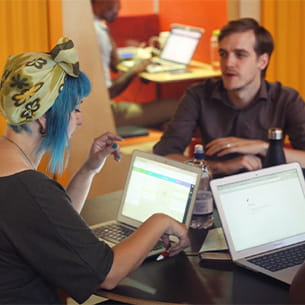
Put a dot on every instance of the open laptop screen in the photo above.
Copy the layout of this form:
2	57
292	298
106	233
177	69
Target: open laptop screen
263	209
158	187
181	44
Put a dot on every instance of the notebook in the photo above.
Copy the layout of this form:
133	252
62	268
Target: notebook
178	50
130	131
263	217
154	184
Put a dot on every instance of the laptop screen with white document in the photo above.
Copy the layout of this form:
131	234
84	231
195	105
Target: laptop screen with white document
181	44
156	184
262	210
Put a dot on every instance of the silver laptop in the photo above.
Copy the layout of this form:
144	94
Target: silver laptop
263	217
154	184
178	50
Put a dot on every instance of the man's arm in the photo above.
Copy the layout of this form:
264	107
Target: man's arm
295	155
120	83
248	149
114	56
228	145
180	130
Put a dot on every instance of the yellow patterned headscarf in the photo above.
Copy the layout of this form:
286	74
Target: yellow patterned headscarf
31	82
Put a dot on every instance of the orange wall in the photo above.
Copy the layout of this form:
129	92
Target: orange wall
287	63
25	26
208	14
137	7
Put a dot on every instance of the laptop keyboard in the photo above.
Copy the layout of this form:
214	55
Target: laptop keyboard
159	65
282	259
116	232
113	232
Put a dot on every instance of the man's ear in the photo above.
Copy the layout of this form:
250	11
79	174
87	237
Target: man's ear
263	61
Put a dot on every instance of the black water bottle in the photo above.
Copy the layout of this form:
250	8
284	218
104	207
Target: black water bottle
275	153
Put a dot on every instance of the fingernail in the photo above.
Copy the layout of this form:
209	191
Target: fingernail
115	145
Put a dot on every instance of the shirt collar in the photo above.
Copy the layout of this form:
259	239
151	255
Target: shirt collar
220	93
101	23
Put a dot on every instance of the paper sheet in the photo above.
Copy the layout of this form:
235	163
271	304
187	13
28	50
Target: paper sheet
214	241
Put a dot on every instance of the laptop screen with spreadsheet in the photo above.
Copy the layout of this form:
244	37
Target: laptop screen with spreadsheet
157	184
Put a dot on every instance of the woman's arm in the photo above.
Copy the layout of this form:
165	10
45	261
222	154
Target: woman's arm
80	183
131	252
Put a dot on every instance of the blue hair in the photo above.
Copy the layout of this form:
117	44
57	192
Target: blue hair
58	116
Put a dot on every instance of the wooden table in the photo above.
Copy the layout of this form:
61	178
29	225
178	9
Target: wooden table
196	70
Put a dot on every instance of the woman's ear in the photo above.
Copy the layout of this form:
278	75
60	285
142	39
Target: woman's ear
42	122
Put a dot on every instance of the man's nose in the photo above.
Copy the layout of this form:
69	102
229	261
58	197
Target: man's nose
229	60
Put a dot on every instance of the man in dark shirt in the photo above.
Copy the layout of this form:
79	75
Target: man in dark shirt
234	114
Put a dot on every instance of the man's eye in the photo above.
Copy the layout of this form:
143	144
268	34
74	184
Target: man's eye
241	54
77	110
222	54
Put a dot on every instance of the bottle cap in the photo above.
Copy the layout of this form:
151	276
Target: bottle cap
198	152
275	134
198	148
216	33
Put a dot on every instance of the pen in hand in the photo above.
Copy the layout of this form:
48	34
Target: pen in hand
162	256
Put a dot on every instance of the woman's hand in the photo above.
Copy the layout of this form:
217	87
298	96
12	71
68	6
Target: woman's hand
131	252
101	148
178	230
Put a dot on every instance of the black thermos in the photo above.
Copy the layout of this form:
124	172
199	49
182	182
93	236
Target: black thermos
275	153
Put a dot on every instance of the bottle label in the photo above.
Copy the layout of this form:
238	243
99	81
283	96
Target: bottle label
203	203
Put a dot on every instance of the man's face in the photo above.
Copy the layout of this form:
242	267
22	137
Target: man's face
241	67
107	9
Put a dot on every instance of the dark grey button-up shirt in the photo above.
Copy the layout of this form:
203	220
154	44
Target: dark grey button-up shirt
206	106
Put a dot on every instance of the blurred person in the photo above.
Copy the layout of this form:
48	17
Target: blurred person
149	114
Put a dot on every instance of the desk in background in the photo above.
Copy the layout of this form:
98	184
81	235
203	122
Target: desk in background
183	279
196	71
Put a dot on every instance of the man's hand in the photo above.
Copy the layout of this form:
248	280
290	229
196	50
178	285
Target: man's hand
140	65
229	145
228	167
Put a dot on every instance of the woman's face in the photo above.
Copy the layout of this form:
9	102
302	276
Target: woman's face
75	120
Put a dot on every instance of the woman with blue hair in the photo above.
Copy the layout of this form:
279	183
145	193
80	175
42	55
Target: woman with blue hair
44	244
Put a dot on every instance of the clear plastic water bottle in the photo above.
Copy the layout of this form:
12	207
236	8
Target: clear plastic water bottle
275	153
214	53
203	208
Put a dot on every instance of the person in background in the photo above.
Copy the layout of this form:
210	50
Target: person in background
149	114
44	243
235	112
